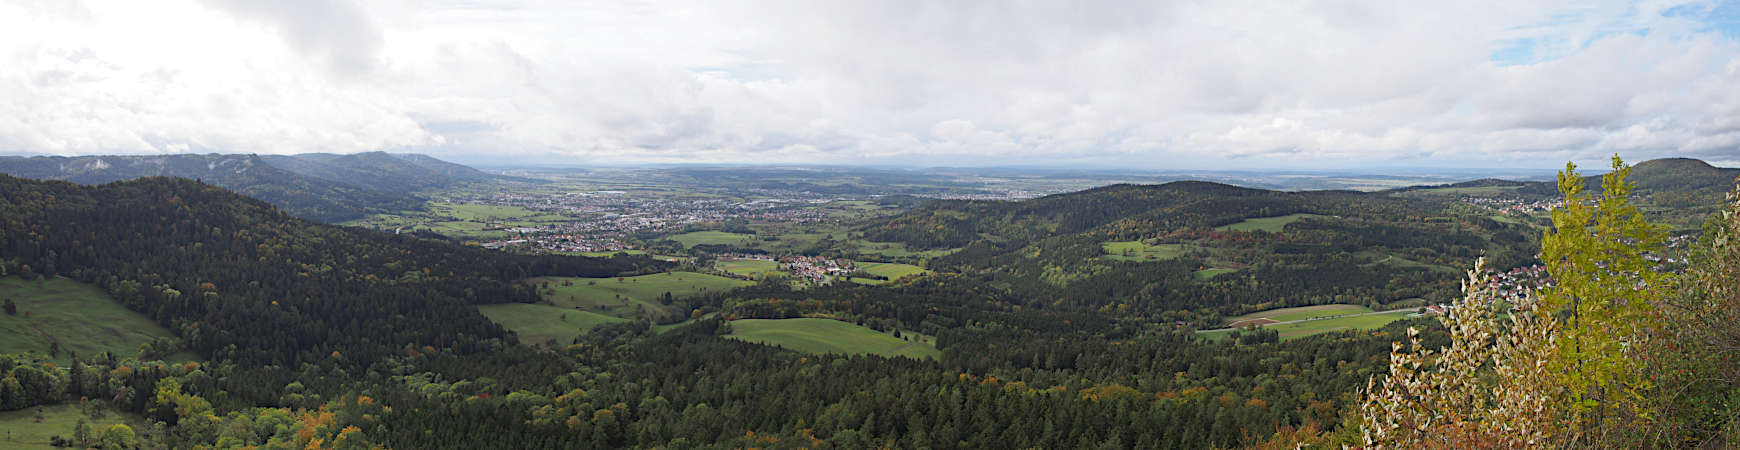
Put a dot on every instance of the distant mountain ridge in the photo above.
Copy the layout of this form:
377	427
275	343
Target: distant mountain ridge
318	186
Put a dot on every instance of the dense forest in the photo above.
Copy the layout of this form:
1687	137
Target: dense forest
314	186
313	336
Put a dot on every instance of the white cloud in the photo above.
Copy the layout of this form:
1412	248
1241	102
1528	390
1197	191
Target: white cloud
1161	84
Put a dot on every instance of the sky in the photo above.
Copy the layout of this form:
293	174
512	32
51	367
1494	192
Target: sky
1223	84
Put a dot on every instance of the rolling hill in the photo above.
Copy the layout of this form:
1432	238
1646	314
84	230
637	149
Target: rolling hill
1272	249
316	186
381	171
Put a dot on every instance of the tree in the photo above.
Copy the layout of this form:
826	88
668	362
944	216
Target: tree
81	432
1606	291
118	436
1568	368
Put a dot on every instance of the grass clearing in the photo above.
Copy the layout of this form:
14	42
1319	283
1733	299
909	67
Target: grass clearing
537	324
748	267
24	432
1269	224
476	212
630	297
1300	313
1205	274
816	335
893	271
695	238
899	250
1138	251
1328	325
79	316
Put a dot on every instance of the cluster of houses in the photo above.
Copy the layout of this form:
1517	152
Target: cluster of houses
816	269
1510	285
1511	205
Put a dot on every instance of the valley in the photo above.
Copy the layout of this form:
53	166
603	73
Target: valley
520	289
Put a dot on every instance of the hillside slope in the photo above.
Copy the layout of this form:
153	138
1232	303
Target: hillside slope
381	171
241	281
305	196
1196	245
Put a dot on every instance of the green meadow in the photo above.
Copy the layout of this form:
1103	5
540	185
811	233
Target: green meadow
695	238
24	432
748	267
80	317
1324	325
1138	251
537	324
1269	224
893	271
630	297
818	336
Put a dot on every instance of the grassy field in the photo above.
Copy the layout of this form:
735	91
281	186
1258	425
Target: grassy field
58	420
480	213
537	324
1300	313
1326	325
1269	224
632	296
748	267
1205	274
1138	251
692	239
898	250
814	335
80	317
893	271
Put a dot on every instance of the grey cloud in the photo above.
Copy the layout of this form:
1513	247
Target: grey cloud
336	32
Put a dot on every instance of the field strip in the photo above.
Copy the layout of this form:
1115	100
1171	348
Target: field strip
1217	330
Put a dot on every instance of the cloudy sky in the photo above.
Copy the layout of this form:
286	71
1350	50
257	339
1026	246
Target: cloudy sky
1141	84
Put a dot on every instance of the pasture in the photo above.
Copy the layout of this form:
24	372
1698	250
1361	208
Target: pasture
695	238
24	432
537	324
1299	313
819	336
1139	251
630	297
78	316
1269	224
1323	324
893	271
1206	274
748	267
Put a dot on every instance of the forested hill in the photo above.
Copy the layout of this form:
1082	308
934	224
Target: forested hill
1206	246
389	172
241	281
316	186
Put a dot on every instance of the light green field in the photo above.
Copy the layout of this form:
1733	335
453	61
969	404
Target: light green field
815	335
1138	251
610	254
748	267
899	250
1269	224
692	239
1205	274
1476	190
478	213
537	324
1328	325
631	296
1302	312
58	420
893	271
79	316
